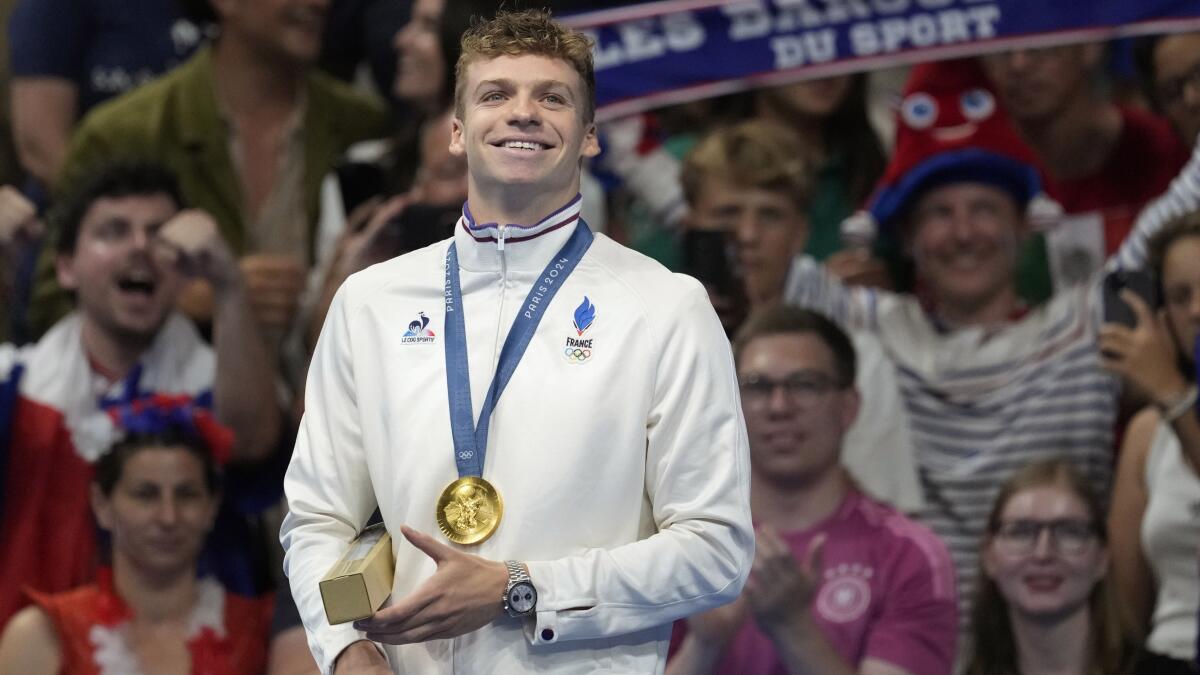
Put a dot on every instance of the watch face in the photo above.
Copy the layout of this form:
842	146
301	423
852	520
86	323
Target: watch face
522	597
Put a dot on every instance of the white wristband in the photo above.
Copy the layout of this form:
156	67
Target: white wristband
1175	408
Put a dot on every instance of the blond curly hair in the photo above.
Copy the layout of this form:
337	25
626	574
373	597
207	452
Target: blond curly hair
532	32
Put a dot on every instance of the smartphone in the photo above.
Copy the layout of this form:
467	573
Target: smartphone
1142	282
420	225
359	182
707	256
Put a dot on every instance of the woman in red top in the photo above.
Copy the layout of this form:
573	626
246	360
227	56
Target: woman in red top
156	492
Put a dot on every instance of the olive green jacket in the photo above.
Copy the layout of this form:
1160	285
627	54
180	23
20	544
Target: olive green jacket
175	120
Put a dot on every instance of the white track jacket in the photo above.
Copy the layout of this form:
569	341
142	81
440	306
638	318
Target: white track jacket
623	464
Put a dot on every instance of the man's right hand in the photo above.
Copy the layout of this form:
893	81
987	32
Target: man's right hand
273	287
361	658
192	241
857	268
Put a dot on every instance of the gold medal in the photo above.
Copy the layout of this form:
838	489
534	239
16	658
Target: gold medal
468	510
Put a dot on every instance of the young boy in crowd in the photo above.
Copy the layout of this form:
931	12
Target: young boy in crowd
749	186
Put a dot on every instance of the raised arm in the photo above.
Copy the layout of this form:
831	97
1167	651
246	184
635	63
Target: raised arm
1183	196
811	285
244	391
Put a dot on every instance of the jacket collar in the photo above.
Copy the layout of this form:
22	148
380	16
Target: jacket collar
524	247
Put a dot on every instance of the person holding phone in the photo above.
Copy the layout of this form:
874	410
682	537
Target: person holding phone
748	189
1153	525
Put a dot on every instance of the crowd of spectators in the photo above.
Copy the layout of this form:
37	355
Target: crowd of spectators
966	339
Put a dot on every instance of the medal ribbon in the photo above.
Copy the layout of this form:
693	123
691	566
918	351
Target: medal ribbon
470	441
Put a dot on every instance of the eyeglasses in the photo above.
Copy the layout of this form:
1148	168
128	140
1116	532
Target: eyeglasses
801	388
1070	536
1170	92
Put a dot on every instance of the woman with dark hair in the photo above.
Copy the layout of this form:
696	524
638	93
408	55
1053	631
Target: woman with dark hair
427	50
1045	603
156	493
1153	525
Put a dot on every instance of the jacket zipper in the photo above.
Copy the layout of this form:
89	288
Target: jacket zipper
500	236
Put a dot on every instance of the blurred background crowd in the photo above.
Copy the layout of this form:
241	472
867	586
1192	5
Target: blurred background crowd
963	296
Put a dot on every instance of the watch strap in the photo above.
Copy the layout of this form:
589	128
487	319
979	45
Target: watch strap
516	575
516	572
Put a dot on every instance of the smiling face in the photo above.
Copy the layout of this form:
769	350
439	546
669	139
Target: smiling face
522	130
963	238
1181	292
420	68
124	286
159	511
1051	580
795	429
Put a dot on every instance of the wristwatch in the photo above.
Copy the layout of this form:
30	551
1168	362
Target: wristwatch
520	597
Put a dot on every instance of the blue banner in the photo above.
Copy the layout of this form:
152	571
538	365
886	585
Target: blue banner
660	53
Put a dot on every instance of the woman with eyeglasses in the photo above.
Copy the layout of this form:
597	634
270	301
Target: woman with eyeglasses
1155	524
1045	604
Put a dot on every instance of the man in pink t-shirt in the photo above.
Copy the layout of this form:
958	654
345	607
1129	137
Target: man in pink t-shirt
841	584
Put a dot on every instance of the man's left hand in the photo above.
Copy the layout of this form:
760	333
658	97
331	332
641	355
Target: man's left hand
1144	355
463	595
781	589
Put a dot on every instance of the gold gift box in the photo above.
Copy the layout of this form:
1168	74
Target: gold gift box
362	579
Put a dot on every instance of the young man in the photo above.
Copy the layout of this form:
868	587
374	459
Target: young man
841	584
614	477
752	183
251	129
1106	161
990	384
125	248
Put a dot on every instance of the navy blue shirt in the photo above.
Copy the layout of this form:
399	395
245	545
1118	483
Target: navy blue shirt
106	47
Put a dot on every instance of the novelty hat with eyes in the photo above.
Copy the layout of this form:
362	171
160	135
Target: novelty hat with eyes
950	129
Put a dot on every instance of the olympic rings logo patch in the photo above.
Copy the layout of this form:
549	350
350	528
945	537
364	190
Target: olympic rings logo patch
576	354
